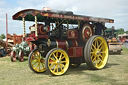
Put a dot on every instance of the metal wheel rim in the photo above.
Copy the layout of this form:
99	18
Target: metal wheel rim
99	52
21	55
58	62
37	62
13	58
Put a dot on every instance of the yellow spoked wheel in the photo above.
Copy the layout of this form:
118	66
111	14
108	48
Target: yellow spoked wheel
96	52
57	61
36	62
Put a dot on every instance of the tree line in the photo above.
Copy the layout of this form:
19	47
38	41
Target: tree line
2	36
119	31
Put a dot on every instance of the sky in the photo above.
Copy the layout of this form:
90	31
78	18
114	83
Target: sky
113	9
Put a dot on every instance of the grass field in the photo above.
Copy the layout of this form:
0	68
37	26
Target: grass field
18	73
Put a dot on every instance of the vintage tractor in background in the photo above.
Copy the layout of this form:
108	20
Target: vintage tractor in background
19	51
115	47
64	39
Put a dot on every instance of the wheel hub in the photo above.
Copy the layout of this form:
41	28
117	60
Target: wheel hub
58	62
42	60
88	33
98	52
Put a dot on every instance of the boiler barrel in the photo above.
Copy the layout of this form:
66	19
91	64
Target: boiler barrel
64	44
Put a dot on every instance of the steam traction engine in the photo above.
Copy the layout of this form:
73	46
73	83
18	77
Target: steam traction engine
19	51
64	39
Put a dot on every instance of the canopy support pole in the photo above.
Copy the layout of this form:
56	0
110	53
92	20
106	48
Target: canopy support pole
6	32
23	27
67	25
36	34
78	24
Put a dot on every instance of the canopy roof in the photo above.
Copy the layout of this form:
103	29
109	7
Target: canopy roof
29	14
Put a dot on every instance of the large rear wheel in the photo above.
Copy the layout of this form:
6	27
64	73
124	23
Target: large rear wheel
96	52
36	62
57	61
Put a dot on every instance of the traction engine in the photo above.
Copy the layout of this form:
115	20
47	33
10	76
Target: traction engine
64	39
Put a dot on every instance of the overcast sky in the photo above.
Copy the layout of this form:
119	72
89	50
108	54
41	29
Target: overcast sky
114	9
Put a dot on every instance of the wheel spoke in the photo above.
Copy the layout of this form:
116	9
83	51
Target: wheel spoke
55	56
97	43
34	63
94	46
43	65
94	58
60	56
37	66
63	61
101	48
38	54
34	60
92	49
60	67
92	52
52	59
51	62
33	56
51	65
101	56
100	44
98	59
55	68
103	52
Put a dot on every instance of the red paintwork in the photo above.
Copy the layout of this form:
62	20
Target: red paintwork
70	52
42	36
62	44
78	51
85	35
75	43
30	39
72	34
75	52
40	28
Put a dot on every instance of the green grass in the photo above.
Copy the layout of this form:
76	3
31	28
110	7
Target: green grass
18	73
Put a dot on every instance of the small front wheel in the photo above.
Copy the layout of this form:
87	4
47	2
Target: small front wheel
57	61
13	56
36	62
21	56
